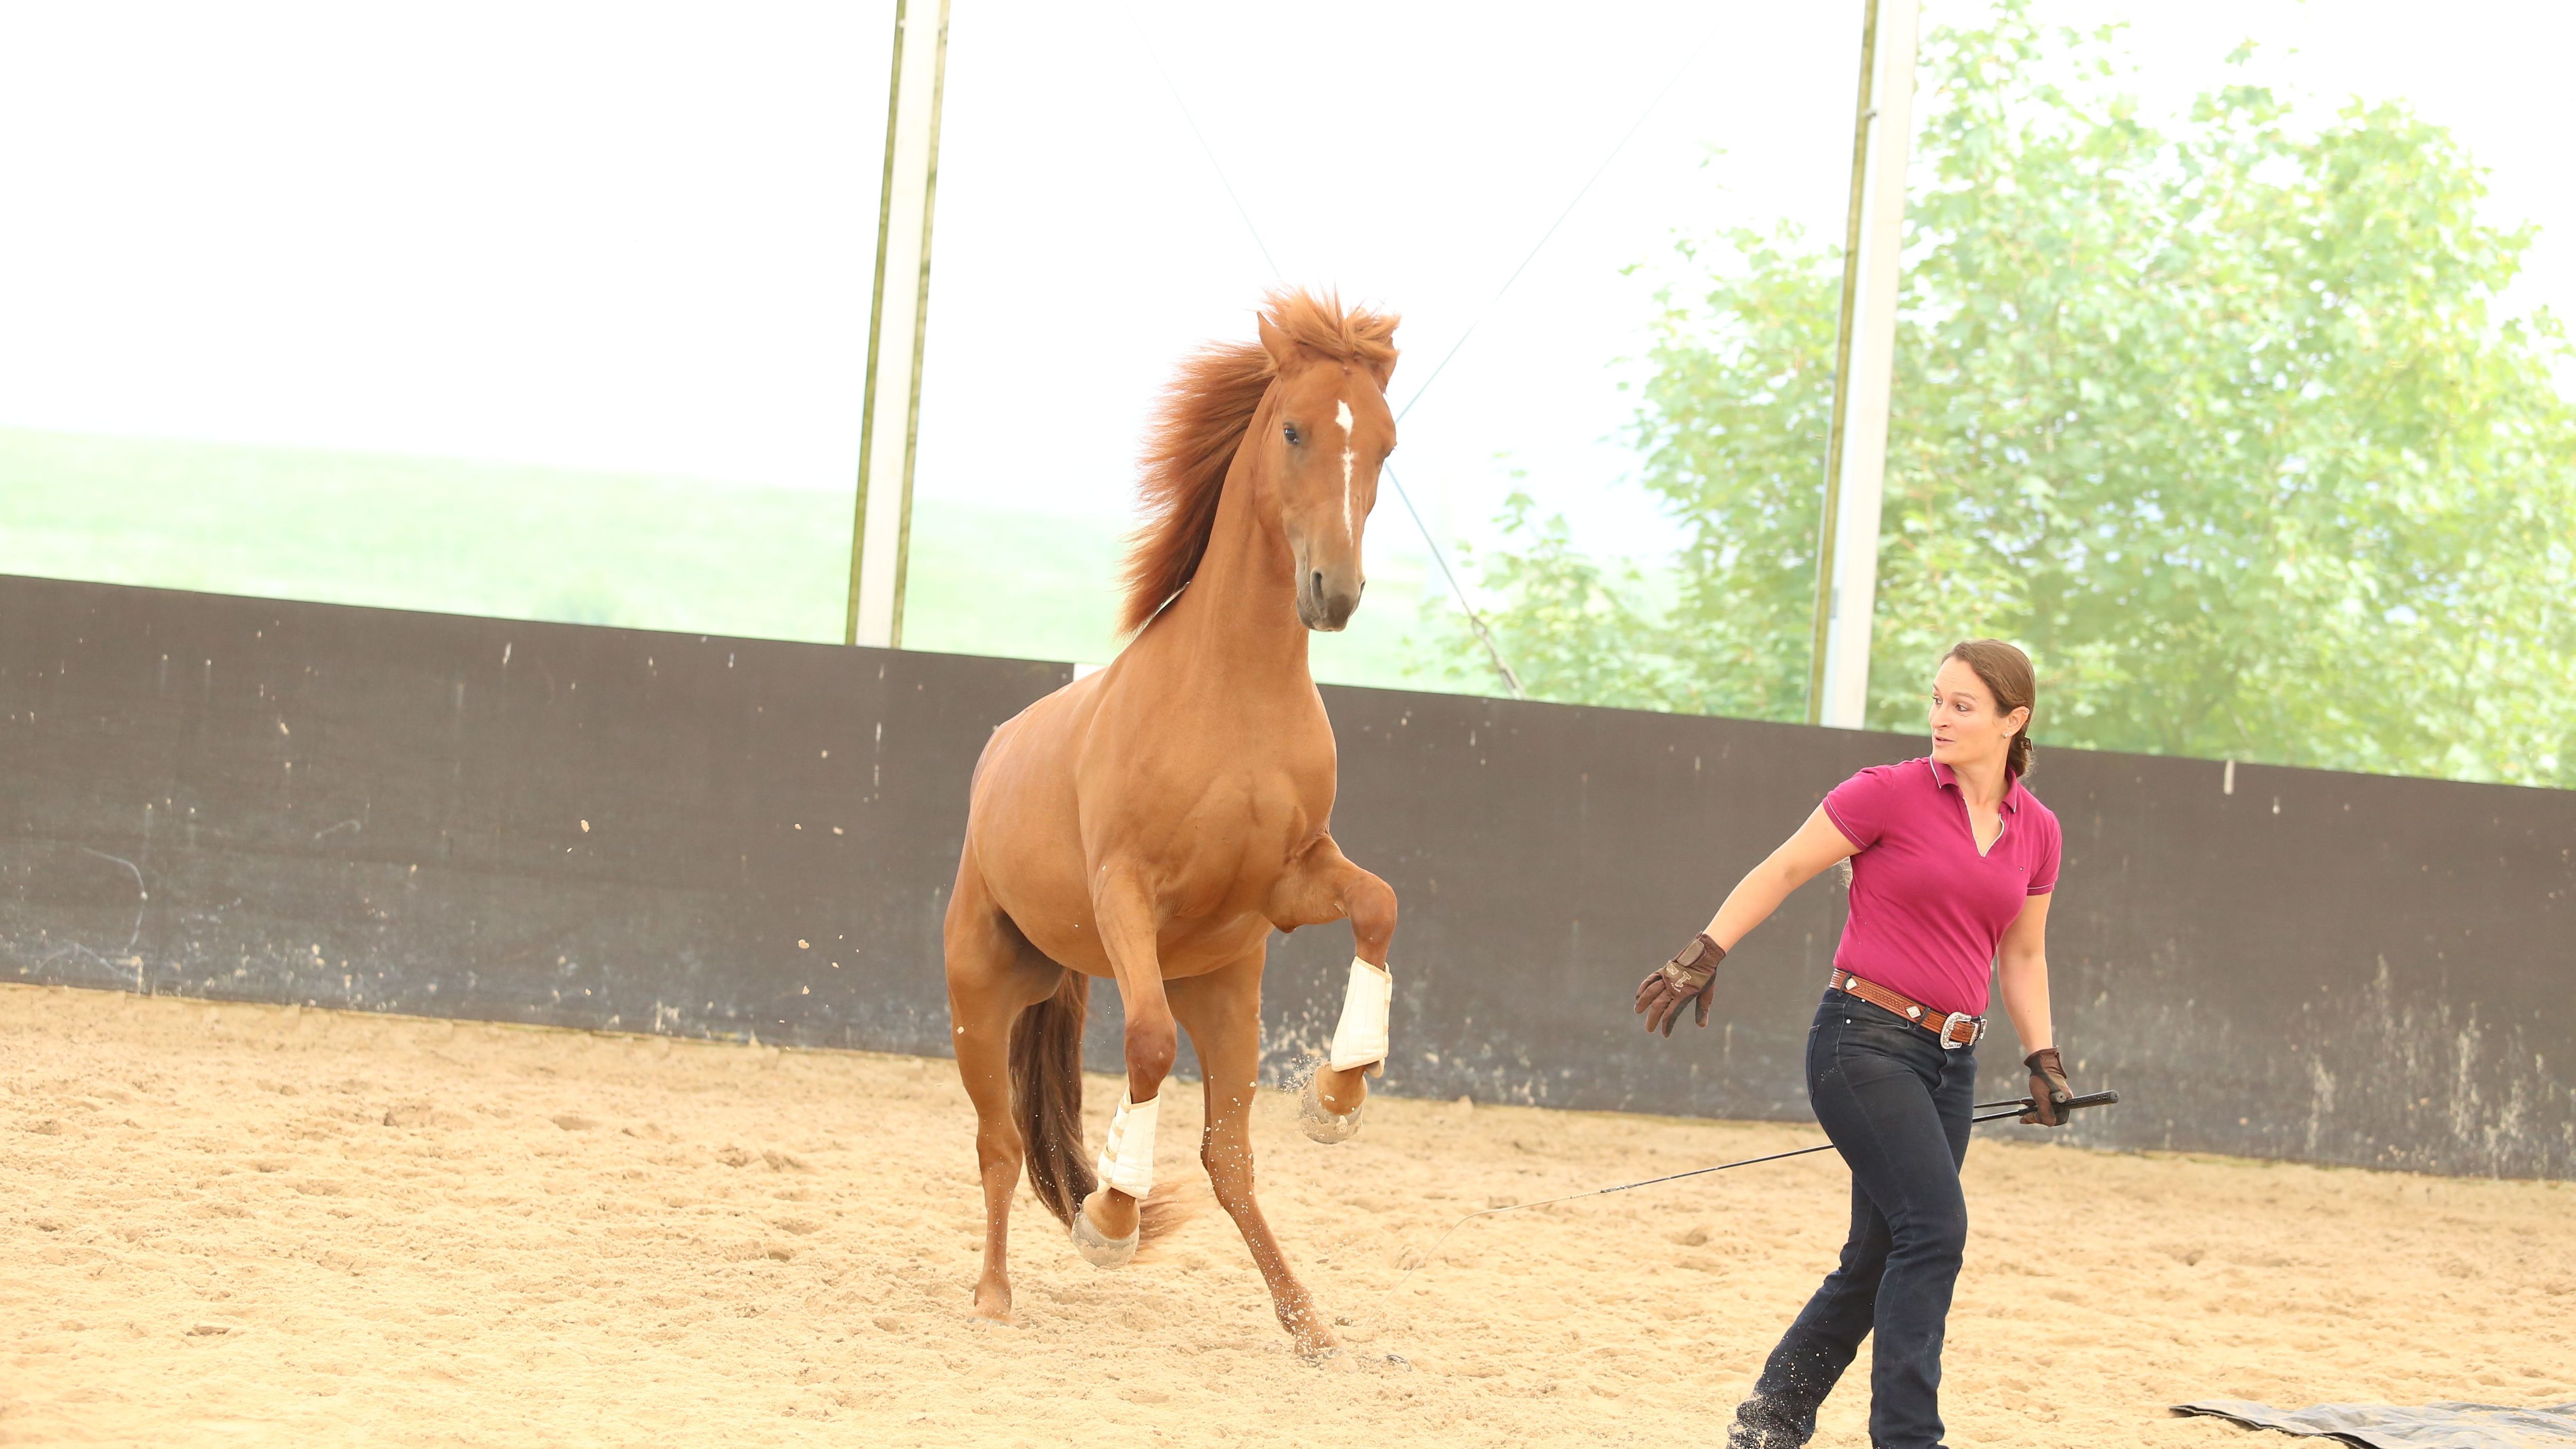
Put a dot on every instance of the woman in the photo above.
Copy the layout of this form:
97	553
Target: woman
1952	865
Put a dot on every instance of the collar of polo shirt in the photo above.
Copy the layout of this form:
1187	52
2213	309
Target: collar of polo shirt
1949	780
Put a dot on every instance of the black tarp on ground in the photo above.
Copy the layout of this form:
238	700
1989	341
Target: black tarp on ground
2422	1426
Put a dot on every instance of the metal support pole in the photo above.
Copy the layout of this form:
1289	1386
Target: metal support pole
1865	370
881	531
1824	607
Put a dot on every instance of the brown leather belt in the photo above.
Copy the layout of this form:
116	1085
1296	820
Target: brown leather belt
1956	1031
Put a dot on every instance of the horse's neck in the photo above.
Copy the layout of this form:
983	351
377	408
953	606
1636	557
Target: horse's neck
1238	617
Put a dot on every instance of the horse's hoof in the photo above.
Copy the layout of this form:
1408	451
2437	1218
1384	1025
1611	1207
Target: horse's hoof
1322	1126
1311	1340
1098	1248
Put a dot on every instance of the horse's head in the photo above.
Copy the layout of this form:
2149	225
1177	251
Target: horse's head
1329	430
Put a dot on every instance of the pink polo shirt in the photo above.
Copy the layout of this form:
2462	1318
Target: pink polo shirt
1926	910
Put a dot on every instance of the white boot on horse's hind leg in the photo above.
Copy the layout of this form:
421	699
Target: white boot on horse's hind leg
1126	1162
1359	1040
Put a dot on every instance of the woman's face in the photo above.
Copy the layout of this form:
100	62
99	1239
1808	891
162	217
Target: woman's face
1966	730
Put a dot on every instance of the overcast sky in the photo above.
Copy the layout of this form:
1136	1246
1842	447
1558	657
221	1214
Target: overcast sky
640	237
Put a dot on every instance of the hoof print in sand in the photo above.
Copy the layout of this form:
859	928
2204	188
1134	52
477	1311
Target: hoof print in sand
424	1114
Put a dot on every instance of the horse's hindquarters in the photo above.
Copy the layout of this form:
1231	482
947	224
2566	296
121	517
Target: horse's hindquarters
1024	832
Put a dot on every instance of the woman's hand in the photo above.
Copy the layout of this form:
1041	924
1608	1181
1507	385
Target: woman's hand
1690	976
2049	1093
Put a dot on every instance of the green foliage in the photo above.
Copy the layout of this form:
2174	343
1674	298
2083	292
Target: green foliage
2223	424
643	551
518	541
1576	632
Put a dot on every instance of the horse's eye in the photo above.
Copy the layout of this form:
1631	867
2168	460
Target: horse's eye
1291	430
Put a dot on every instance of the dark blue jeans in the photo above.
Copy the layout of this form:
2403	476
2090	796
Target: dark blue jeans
1897	1107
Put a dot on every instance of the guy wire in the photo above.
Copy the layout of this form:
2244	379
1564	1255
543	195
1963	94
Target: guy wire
1439	555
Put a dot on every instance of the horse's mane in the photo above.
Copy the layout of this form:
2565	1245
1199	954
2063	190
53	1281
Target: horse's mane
1201	422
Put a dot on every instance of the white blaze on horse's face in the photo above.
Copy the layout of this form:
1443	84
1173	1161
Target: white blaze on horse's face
1328	483
1342	416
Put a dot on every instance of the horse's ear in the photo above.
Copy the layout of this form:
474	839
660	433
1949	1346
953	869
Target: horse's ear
1383	371
1276	341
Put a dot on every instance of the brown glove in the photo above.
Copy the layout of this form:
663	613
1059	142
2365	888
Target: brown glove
1690	975
2049	1093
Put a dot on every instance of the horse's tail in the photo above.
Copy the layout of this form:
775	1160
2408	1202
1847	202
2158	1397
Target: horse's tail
1046	1094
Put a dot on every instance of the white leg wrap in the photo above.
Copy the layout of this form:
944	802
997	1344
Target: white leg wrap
1361	1037
1127	1159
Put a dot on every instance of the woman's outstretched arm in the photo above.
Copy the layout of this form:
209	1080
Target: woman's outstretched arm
1800	859
1692	975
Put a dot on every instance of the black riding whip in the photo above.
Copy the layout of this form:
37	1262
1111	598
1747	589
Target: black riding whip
2012	1108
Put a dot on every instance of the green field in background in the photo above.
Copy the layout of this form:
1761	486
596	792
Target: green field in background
643	551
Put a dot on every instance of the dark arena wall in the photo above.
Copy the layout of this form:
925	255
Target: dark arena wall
246	799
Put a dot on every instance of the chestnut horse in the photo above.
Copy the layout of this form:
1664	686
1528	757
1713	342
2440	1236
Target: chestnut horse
1155	821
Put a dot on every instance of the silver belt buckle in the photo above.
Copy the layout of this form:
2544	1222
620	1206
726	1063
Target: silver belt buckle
1949	1043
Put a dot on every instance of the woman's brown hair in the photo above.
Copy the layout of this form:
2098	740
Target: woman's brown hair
2009	677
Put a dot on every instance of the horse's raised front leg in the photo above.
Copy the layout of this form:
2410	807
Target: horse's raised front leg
1222	1011
1325	886
1107	1229
993	976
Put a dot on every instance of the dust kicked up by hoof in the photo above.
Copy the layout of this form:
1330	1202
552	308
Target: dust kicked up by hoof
1320	1125
1098	1248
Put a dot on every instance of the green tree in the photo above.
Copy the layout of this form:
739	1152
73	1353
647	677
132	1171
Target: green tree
2223	422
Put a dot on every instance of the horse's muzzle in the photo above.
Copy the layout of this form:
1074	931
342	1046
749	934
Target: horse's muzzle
1325	607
